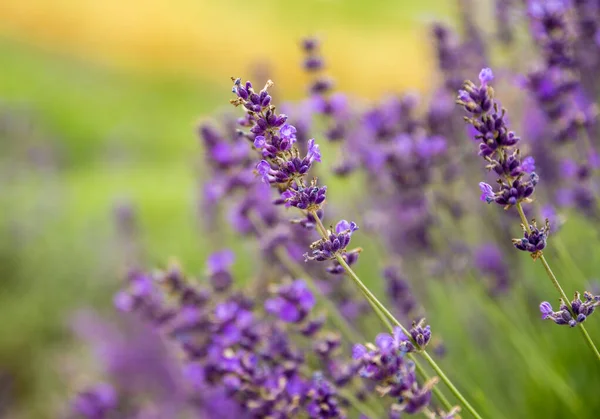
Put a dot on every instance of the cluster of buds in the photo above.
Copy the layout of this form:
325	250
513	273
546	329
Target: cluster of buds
497	145
534	239
575	312
334	246
282	164
385	364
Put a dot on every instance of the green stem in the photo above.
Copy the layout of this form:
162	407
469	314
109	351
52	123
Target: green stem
556	284
436	390
588	340
374	301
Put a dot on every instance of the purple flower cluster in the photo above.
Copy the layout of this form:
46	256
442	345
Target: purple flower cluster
96	402
334	246
497	145
314	64
292	303
551	30
385	364
284	168
571	314
534	239
228	345
332	106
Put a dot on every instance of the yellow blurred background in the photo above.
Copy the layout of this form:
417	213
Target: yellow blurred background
371	47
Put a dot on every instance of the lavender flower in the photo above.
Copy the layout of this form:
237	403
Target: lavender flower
574	313
97	402
335	245
534	239
218	265
293	302
497	145
384	364
323	403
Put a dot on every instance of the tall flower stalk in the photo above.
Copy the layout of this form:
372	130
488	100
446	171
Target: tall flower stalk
284	168
517	182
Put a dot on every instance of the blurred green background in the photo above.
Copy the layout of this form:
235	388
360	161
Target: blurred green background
99	103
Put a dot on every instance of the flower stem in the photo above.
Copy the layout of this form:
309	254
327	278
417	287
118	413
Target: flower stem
376	303
556	284
436	390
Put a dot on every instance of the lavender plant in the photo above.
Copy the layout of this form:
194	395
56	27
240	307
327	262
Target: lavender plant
283	168
517	184
278	346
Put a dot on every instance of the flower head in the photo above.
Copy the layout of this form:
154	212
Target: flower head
292	303
577	311
487	192
534	239
485	76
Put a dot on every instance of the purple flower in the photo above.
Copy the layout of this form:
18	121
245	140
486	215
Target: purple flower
293	302
386	366
310	198
96	402
498	144
345	226
487	193
264	170
220	261
334	245
528	164
259	141
546	309
577	311
323	403
485	76
123	301
288	132
314	153
218	266
534	240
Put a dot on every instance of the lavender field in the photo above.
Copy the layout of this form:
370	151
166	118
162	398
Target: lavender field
317	210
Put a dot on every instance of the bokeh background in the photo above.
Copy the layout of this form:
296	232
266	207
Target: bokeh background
99	104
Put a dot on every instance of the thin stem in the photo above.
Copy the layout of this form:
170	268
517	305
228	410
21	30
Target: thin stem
556	284
588	340
374	301
427	357
554	279
436	390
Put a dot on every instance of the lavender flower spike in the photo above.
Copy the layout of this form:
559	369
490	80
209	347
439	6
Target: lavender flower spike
574	313
498	145
335	245
534	239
